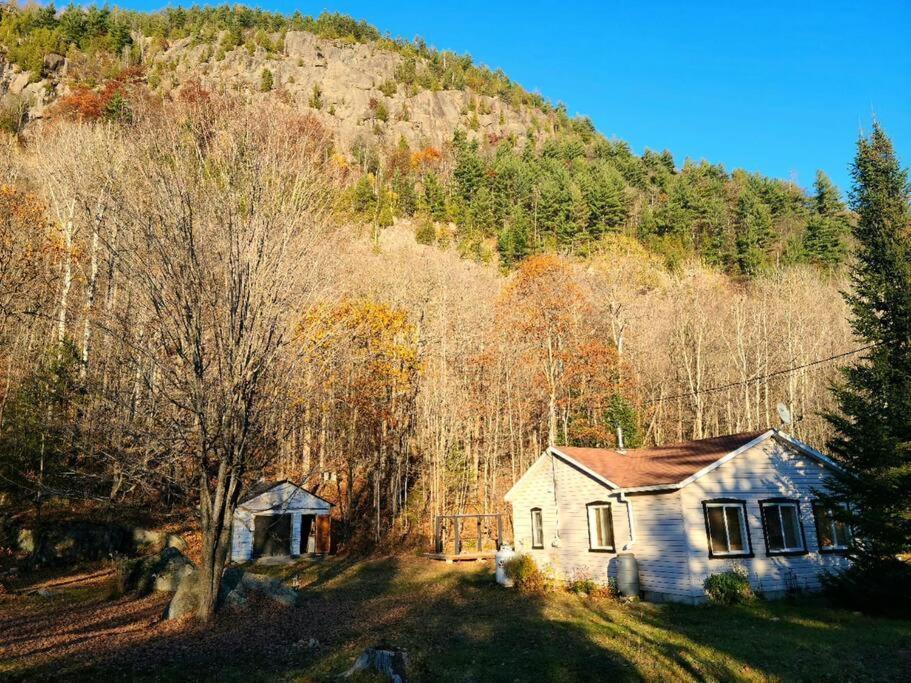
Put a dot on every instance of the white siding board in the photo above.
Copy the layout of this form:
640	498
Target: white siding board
284	498
670	538
768	470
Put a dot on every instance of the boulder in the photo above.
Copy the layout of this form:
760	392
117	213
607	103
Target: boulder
60	544
157	540
17	85
53	61
237	587
160	573
186	599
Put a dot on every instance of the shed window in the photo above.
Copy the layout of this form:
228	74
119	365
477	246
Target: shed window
832	534
726	524
600	527
783	529
537	528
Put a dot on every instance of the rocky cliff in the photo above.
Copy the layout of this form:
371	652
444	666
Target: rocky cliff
351	88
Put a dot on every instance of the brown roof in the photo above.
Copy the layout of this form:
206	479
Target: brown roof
658	465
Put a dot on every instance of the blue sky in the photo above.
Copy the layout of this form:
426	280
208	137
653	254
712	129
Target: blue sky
779	88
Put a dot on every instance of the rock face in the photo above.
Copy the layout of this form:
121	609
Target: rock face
22	88
360	99
80	541
349	78
237	587
161	573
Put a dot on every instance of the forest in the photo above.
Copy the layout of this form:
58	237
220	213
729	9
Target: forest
200	289
407	329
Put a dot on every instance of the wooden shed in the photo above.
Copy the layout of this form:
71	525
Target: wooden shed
280	519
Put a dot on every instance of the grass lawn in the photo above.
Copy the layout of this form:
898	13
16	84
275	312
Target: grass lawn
456	624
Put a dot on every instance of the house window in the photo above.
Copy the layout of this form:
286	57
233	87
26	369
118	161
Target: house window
726	526
600	527
782	525
832	534
537	528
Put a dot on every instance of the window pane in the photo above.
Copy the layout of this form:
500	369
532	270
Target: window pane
716	529
605	533
791	526
537	531
773	527
841	534
599	530
735	533
824	528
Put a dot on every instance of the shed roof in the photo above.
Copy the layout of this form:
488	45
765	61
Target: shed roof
264	486
659	465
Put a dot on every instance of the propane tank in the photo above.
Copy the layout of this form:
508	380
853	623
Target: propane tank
627	575
504	554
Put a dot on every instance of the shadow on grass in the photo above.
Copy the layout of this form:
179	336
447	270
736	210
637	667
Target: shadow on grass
458	625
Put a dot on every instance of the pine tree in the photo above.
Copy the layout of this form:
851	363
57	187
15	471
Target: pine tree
827	228
874	423
753	222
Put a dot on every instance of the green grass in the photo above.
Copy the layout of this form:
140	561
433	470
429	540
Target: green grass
458	625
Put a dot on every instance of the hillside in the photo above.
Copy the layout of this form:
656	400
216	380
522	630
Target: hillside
409	308
469	154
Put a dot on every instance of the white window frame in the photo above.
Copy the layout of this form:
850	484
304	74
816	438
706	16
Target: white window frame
763	506
593	541
537	528
740	506
834	548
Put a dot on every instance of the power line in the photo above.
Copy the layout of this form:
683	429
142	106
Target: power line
759	378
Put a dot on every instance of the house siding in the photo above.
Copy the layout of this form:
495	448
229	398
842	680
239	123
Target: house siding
770	469
285	498
670	544
660	545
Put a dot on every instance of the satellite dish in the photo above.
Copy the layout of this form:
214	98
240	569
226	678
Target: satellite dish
784	414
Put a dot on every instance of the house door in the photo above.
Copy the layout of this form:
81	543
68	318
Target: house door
271	535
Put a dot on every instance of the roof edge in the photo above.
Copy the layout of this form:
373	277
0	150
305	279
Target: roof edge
252	496
575	463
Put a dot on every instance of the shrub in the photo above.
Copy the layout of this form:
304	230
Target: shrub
526	575
266	81
584	585
729	588
881	588
426	233
13	113
316	97
388	88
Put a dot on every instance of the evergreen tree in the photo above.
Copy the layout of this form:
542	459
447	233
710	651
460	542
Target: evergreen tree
435	197
825	237
874	423
753	224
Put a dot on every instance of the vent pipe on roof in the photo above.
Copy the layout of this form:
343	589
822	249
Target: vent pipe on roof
620	448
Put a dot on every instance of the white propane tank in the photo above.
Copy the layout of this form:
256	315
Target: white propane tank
504	554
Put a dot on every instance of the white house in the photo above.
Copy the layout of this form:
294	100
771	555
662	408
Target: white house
685	511
279	518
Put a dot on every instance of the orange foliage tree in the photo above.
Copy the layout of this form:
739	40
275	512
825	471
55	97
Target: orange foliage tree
551	324
362	370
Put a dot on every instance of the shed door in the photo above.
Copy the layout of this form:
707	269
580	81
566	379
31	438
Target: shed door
271	535
323	527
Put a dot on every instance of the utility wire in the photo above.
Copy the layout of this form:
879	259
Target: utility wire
759	378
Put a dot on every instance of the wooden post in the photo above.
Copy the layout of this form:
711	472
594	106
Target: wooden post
479	533
458	537
499	531
438	534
